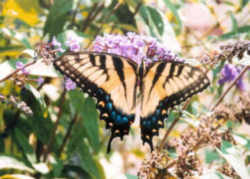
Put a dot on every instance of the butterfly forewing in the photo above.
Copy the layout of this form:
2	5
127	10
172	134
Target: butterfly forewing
166	84
109	78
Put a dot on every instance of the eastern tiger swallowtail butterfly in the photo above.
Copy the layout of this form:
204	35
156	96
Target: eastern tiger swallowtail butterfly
116	82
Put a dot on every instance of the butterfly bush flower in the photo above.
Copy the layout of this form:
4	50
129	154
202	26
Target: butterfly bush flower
39	81
69	84
135	47
57	45
20	66
73	44
228	73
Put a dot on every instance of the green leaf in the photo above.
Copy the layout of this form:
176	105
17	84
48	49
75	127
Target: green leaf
57	17
87	110
11	48
211	156
225	145
40	121
156	19
219	175
68	170
23	142
131	176
91	123
77	99
234	23
243	29
124	15
144	14
7	162
33	99
87	161
244	3
248	145
174	11
247	160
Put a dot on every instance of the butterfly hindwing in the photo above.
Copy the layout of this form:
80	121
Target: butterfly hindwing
166	84
109	78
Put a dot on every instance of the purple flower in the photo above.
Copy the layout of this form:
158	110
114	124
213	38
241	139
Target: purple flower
229	73
57	45
69	84
135	47
20	66
40	80
73	44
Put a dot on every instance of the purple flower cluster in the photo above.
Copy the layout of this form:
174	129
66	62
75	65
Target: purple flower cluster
69	84
228	73
20	66
74	45
135	47
40	80
57	45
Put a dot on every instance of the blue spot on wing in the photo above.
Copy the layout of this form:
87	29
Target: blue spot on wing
116	119
151	124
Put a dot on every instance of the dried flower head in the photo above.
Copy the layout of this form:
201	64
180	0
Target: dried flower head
47	51
188	165
21	105
227	170
235	49
153	166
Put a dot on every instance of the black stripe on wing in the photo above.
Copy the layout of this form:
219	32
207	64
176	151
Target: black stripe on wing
115	119
151	124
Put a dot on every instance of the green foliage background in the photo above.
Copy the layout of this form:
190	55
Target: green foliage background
64	137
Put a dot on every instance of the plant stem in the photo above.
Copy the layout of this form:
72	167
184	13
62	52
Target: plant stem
91	16
137	8
16	71
67	134
52	136
172	126
105	18
229	88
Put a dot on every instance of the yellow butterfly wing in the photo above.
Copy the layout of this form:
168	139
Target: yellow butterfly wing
109	78
166	84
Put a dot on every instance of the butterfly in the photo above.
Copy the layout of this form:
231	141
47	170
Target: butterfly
121	86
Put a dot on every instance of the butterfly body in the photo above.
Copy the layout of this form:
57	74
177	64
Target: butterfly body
120	85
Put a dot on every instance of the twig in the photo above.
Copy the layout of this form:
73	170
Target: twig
163	141
230	87
192	148
137	8
16	71
67	134
92	15
104	19
75	13
51	140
